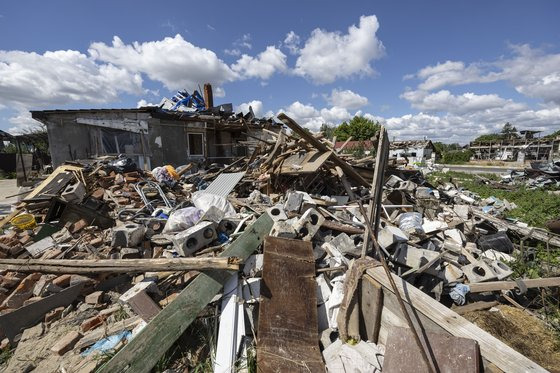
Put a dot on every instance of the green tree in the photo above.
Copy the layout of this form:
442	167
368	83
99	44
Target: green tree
489	137
327	131
509	131
359	128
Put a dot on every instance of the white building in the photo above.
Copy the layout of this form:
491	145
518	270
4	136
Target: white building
416	151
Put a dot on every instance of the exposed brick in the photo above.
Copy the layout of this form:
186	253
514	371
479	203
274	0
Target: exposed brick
94	298
78	226
66	343
98	193
92	323
22	292
63	281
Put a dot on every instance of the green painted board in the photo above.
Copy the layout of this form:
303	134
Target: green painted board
144	351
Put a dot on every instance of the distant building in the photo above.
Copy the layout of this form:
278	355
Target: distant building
416	151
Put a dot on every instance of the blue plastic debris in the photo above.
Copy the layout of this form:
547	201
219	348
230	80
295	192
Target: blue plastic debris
108	343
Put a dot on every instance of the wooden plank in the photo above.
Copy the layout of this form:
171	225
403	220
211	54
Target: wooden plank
492	349
64	266
371	305
14	322
348	169
476	306
288	340
508	285
374	207
144	351
452	354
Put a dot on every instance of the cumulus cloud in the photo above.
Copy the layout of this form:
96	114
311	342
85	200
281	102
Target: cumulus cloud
327	56
346	99
61	77
172	61
256	105
144	103
291	42
263	66
312	118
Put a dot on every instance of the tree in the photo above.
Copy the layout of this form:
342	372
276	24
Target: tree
359	128
489	137
327	131
509	131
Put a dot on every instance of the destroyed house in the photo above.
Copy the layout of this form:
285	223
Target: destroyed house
520	150
417	151
152	136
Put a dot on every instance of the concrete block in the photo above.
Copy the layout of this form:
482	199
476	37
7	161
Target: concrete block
213	214
478	272
500	269
309	224
283	229
293	202
195	238
253	265
277	213
390	235
66	343
94	298
227	226
74	193
128	235
139	300
455	235
129	253
346	245
413	257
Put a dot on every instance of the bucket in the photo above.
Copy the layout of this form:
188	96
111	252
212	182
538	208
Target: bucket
24	221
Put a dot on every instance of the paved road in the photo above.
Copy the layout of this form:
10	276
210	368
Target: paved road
481	169
7	187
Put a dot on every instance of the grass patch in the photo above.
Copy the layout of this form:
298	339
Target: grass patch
534	206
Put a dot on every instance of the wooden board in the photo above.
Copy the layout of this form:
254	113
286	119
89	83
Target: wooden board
144	351
492	349
371	305
452	354
287	331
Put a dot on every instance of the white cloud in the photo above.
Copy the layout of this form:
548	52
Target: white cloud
327	56
232	52
144	103
172	61
346	99
291	42
263	66
256	105
219	92
61	77
312	118
23	122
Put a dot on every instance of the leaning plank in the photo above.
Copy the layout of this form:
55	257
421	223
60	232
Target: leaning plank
118	265
348	169
287	330
492	349
508	285
14	322
144	351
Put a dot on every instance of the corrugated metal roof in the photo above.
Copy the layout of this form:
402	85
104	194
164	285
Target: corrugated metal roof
224	184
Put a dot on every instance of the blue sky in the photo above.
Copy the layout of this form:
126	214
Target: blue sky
447	70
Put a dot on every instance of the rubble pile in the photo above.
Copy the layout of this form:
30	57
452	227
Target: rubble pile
285	249
539	175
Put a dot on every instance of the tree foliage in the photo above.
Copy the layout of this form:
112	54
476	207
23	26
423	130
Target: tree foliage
359	128
327	131
508	132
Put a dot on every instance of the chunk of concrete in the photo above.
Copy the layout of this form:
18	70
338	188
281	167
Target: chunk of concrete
74	193
500	269
478	271
346	245
455	235
277	213
293	202
309	224
128	235
140	302
283	229
195	238
390	235
413	257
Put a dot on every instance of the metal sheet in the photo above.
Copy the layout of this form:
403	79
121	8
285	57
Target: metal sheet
224	184
287	332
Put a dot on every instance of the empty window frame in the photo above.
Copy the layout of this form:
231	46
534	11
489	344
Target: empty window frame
196	144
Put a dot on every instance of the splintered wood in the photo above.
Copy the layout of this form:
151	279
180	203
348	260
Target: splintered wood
287	330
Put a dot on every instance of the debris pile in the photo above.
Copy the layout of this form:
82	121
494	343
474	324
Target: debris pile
309	258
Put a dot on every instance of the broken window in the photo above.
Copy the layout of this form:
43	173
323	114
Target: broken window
195	144
116	141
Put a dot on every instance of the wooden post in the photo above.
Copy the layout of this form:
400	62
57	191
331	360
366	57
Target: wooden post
21	159
374	208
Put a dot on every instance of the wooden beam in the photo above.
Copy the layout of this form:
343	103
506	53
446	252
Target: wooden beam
476	306
374	207
347	168
492	349
144	351
509	285
63	266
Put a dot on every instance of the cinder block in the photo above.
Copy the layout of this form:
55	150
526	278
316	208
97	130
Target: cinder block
293	202
74	193
195	238
390	235
227	226
283	229
128	235
140	302
277	213
500	269
478	272
309	224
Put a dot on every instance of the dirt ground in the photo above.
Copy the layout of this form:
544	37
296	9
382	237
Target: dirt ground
523	332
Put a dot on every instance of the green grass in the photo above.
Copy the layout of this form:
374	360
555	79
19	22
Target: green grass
534	207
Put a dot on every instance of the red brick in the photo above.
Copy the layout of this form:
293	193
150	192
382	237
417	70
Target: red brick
63	281
94	298
92	323
78	226
66	343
